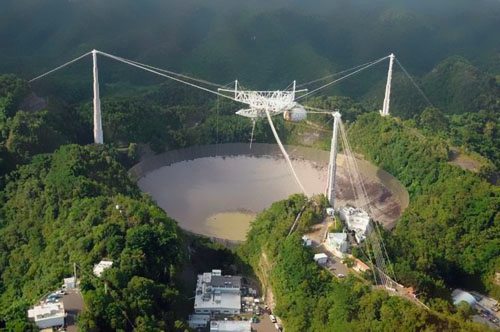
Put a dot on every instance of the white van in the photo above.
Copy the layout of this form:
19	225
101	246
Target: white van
272	318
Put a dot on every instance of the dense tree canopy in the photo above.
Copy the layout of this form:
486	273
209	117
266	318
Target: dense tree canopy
79	206
454	210
308	298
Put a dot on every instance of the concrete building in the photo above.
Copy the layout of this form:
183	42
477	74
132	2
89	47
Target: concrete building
306	241
337	243
47	315
356	220
217	294
230	326
101	266
321	258
69	283
198	321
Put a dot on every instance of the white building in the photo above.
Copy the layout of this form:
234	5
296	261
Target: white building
198	321
321	258
217	294
101	266
356	220
306	241
337	243
47	315
230	326
69	283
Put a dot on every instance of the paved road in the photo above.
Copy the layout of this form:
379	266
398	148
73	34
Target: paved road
265	324
73	305
334	264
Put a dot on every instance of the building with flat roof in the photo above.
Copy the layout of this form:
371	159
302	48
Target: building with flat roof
230	326
47	315
198	321
217	294
356	220
101	266
337	243
321	258
69	283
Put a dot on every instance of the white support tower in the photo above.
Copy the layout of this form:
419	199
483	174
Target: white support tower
387	98
98	139
332	166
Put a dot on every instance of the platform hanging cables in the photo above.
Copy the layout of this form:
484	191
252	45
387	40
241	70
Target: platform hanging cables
169	76
285	154
414	83
202	81
386	274
343	77
334	74
60	67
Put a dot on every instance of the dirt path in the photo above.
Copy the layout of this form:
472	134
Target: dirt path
265	268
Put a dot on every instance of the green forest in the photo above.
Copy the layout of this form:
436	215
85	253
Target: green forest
310	299
65	200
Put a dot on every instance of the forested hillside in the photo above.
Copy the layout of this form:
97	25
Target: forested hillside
262	43
60	209
450	233
308	298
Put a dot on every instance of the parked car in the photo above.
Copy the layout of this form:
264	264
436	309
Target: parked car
272	318
340	275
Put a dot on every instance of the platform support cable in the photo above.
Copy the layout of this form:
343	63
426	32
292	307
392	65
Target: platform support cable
60	67
285	154
414	83
341	78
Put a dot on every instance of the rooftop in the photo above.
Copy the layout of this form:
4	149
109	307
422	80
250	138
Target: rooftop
320	256
101	266
46	311
226	281
217	300
230	326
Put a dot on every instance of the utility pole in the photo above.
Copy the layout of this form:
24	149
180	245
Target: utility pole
98	137
74	273
332	166
387	98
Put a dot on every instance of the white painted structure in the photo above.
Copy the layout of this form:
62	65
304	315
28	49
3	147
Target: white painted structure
47	315
69	283
98	137
356	220
387	98
217	294
101	266
306	241
230	326
198	321
321	258
337	243
332	165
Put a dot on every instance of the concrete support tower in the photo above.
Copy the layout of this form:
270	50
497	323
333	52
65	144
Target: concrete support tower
387	98
98	139
332	166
